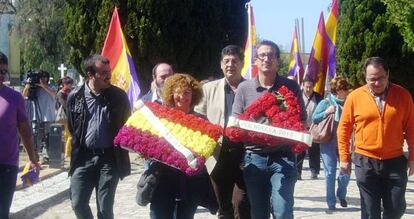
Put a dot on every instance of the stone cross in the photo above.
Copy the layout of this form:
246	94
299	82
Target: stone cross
62	68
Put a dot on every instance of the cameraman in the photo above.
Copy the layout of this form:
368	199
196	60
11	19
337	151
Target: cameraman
41	107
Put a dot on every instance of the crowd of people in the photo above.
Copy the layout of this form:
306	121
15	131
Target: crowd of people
241	179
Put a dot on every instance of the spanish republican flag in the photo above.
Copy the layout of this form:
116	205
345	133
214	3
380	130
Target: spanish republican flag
331	26
295	63
318	59
249	69
123	69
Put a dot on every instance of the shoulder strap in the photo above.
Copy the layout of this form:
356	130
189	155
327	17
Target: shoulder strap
309	99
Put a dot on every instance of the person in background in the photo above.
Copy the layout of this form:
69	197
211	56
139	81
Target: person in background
227	176
13	121
65	84
381	114
269	171
177	195
160	73
333	104
96	112
311	100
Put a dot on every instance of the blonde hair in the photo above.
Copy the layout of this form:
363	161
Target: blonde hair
181	82
339	83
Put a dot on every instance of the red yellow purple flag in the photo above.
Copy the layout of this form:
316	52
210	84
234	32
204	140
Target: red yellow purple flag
331	26
249	69
295	63
318	58
116	50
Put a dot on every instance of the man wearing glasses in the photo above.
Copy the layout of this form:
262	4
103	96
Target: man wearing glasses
382	115
269	171
41	101
13	121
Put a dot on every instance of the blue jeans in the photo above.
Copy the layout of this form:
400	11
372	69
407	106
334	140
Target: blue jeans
8	176
270	175
329	154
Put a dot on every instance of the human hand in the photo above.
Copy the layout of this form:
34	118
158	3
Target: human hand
345	167
330	110
153	86
36	166
410	167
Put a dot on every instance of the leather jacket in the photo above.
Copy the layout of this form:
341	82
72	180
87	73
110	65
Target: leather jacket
119	111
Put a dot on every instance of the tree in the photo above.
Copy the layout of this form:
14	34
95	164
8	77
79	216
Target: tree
7	7
364	30
189	34
401	13
40	26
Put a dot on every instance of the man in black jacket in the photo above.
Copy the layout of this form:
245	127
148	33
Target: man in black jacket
96	112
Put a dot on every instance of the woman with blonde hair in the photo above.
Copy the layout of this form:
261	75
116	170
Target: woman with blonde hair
177	195
333	104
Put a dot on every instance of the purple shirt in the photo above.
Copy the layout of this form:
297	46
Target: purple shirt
12	112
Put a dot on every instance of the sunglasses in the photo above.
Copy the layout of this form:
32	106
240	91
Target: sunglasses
4	72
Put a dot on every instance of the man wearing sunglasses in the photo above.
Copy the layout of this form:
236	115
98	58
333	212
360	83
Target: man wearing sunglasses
13	121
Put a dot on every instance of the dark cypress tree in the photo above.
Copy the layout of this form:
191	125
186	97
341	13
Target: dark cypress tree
364	30
189	34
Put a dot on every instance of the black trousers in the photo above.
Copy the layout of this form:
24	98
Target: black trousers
94	171
229	186
8	177
314	159
381	180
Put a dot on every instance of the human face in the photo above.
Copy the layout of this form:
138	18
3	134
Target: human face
308	88
3	73
102	77
231	65
182	99
342	94
376	78
162	72
266	60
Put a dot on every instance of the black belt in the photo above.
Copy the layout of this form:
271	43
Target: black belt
97	151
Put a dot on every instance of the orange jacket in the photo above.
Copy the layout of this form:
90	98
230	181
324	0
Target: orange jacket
379	136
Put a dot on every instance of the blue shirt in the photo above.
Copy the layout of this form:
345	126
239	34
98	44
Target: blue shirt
97	128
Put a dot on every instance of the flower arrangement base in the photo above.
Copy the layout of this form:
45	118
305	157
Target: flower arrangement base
183	141
273	119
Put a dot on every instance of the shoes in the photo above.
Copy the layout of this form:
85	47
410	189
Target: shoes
343	203
44	161
314	176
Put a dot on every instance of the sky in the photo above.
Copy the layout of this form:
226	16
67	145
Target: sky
275	19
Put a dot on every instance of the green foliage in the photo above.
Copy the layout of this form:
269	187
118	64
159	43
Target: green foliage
364	30
40	26
189	34
401	13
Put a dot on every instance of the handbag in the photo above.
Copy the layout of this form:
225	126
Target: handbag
60	114
323	131
147	184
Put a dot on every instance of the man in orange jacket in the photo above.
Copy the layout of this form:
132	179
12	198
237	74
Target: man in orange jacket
381	114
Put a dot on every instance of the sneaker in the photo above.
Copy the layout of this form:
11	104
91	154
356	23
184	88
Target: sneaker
343	203
314	176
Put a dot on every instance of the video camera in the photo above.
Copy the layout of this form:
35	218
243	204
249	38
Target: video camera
33	78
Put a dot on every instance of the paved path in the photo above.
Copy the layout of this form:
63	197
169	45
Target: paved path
309	201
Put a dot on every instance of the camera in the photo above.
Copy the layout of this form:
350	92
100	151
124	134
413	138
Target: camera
33	77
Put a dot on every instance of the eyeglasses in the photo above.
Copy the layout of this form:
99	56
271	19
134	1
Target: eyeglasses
374	80
4	72
262	56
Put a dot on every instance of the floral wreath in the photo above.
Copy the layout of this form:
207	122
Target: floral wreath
278	109
196	137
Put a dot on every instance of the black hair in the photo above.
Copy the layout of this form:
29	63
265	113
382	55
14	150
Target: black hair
232	50
90	62
375	61
271	44
154	70
3	59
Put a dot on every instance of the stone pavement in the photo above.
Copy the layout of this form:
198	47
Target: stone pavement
309	199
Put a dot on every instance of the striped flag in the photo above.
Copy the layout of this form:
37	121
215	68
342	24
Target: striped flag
123	69
331	26
317	64
249	69
295	63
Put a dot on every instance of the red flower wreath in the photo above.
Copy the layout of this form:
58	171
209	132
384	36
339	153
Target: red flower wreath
280	109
